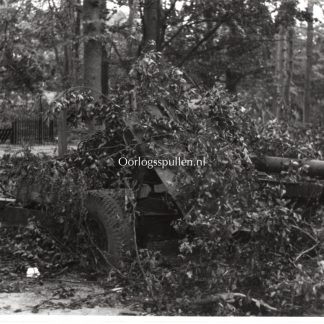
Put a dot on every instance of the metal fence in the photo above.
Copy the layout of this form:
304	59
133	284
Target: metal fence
5	135
33	131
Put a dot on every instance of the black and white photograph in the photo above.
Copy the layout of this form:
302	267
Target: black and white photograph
161	159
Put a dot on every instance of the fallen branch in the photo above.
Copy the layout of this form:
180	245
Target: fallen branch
306	251
111	265
229	298
148	283
304	232
133	215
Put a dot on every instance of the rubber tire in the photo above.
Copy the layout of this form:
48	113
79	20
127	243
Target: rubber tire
104	208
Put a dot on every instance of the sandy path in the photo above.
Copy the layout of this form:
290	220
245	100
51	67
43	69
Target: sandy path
63	298
46	149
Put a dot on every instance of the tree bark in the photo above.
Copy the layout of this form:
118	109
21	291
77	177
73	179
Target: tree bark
68	67
151	32
76	44
132	4
104	73
104	61
308	71
289	69
68	77
232	80
62	133
92	47
4	4
284	63
280	77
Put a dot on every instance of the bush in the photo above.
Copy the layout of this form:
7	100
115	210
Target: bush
242	236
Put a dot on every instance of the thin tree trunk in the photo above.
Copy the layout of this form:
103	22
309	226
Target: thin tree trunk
133	4
92	47
308	72
104	73
67	81
62	133
68	67
280	64
104	60
151	33
3	4
208	15
289	69
76	45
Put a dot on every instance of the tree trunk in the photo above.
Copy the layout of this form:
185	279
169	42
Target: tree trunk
232	80
133	4
308	71
280	72
3	4
284	64
104	73
104	61
92	48
208	15
151	32
76	45
68	67
68	77
62	133
289	69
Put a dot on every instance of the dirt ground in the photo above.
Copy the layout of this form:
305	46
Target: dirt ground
67	295
46	149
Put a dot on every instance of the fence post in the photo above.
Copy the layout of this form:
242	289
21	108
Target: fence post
62	133
40	130
51	131
13	133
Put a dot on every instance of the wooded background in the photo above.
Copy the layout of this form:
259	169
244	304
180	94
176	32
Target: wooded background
233	80
269	52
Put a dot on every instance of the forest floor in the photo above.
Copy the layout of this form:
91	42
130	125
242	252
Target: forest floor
70	294
66	295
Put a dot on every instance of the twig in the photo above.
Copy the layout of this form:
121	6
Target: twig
149	285
62	271
104	257
109	263
229	296
306	233
306	251
204	39
124	64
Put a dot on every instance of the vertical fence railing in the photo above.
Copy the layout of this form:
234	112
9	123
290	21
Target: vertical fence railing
34	131
5	135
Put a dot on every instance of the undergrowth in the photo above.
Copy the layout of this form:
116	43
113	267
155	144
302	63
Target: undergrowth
246	250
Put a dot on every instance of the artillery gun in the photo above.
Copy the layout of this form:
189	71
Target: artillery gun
157	204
